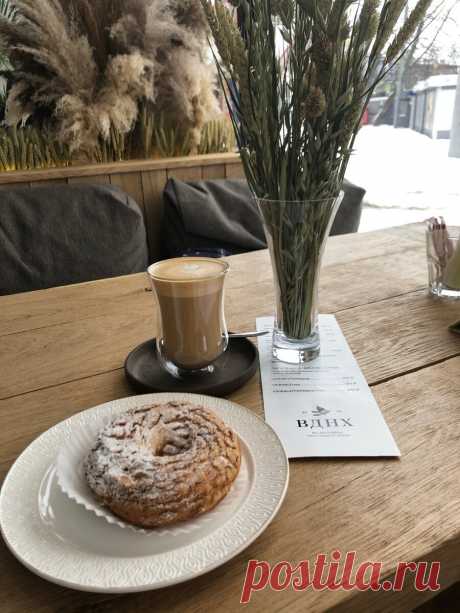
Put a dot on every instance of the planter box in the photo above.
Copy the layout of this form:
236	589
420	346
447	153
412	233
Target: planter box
144	180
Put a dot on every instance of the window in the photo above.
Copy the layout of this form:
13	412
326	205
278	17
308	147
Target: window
407	154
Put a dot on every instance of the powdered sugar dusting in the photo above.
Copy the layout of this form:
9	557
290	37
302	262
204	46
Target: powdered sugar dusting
159	464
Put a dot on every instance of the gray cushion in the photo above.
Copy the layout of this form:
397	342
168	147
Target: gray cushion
56	235
221	217
348	216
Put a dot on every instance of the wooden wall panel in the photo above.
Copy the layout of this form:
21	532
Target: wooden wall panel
193	173
234	171
48	182
91	170
104	179
131	184
153	183
216	171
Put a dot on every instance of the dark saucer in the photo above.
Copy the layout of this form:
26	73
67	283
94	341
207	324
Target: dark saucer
231	370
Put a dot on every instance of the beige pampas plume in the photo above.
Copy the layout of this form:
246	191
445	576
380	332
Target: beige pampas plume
83	68
77	126
17	112
131	74
176	40
187	94
128	79
48	57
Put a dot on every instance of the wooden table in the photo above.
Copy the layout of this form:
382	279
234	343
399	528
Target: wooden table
62	350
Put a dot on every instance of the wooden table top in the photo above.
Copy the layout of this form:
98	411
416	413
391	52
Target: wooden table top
62	351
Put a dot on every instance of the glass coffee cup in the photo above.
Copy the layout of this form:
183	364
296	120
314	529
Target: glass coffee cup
190	295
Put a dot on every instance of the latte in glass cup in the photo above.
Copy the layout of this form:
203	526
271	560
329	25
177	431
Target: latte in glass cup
190	294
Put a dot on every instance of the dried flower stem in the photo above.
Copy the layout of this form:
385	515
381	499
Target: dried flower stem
296	114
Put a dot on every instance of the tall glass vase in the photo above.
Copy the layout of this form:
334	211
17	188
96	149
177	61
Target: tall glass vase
296	234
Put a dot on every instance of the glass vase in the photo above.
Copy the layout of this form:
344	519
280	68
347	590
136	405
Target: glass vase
296	234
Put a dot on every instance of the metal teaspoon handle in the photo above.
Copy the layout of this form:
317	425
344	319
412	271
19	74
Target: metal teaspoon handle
246	334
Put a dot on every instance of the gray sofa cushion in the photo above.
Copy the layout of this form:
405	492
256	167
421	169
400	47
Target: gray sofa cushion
221	217
56	235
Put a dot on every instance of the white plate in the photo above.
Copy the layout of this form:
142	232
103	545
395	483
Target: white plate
64	543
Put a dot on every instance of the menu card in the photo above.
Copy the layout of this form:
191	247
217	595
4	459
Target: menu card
323	408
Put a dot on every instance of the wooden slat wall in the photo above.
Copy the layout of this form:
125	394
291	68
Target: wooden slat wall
143	180
153	183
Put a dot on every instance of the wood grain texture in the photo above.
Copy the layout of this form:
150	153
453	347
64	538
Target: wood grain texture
48	183
39	411
373	254
234	171
153	184
122	308
216	171
90	179
401	334
118	168
191	173
131	184
62	351
43	308
373	507
384	336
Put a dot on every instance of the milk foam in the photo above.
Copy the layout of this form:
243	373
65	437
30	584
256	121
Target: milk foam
187	269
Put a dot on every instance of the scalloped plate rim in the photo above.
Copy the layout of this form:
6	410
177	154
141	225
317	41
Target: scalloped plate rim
233	552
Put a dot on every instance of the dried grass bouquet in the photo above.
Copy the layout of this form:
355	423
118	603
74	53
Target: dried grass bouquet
298	76
85	68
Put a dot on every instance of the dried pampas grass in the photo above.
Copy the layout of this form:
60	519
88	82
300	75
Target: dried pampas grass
27	148
84	68
174	33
